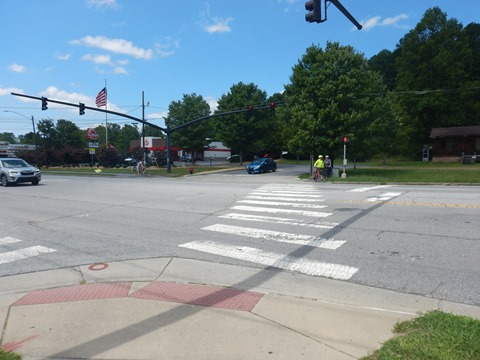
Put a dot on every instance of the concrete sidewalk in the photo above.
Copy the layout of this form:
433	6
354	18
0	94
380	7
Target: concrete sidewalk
173	308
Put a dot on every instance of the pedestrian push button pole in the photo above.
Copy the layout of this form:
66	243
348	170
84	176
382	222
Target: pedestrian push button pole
344	140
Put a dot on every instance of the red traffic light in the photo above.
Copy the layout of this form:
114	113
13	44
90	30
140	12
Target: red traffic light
343	139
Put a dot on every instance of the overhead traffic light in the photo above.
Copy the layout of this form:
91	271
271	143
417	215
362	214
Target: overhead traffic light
272	107
314	13
44	103
81	108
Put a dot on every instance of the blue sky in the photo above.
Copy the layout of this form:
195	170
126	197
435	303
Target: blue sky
67	50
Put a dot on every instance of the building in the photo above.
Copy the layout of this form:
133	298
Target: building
456	144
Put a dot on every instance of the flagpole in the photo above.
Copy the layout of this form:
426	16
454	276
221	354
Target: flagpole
106	118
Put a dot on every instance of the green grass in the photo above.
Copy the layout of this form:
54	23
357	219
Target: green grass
434	335
410	172
151	171
9	356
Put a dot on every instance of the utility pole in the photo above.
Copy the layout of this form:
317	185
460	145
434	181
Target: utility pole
143	129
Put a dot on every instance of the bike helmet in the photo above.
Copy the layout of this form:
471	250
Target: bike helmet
326	156
320	156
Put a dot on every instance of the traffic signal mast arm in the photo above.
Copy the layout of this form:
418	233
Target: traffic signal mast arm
83	106
248	109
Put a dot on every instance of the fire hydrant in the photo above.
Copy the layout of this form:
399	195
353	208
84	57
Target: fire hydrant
190	170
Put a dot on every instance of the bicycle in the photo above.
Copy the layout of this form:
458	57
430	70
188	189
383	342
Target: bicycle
318	176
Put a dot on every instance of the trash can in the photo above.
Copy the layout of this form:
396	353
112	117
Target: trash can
336	172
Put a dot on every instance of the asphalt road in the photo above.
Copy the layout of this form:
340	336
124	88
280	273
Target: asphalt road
412	239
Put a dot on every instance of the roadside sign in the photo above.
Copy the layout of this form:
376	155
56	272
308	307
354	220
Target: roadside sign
92	134
93	144
91	151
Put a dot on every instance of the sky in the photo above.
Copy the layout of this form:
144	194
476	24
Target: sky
69	50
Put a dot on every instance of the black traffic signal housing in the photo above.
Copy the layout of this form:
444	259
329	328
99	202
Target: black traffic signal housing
272	107
81	108
343	139
44	103
314	13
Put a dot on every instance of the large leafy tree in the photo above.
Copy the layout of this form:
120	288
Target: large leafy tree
191	137
244	132
433	77
127	133
333	93
9	137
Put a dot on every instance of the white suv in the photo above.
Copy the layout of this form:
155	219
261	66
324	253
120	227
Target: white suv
16	170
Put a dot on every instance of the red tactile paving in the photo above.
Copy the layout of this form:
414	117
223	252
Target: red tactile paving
199	295
76	293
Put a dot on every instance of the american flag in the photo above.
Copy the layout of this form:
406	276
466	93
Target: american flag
101	99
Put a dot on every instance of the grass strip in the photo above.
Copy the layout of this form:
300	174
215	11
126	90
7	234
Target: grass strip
434	335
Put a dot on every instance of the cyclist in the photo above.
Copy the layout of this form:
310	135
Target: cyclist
327	165
319	164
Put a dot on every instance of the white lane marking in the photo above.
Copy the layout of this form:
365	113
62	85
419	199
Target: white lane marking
298	239
257	256
363	189
279	198
385	197
278	220
280	211
23	253
8	240
309	196
277	203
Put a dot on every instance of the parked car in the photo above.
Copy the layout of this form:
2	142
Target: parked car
261	165
16	170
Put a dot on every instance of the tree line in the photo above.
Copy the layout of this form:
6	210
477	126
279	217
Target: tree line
386	105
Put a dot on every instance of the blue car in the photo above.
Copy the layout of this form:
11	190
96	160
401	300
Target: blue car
261	165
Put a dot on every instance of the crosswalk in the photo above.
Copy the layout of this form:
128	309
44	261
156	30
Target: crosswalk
20	254
300	207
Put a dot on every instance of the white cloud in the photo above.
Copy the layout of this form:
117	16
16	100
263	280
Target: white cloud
103	4
63	57
212	102
375	21
219	26
167	47
98	59
214	24
54	93
118	46
17	68
7	91
120	70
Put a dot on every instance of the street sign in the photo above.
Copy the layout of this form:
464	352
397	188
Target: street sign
93	144
91	151
92	134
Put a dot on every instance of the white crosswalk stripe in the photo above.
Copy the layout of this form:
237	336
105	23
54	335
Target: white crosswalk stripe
298	239
278	220
267	258
281	211
284	205
21	254
279	198
363	189
8	240
278	203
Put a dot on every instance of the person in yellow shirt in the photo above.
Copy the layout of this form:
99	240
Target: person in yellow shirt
319	165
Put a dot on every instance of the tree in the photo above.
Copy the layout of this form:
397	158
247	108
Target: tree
384	63
8	137
333	93
245	132
192	137
127	133
433	78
